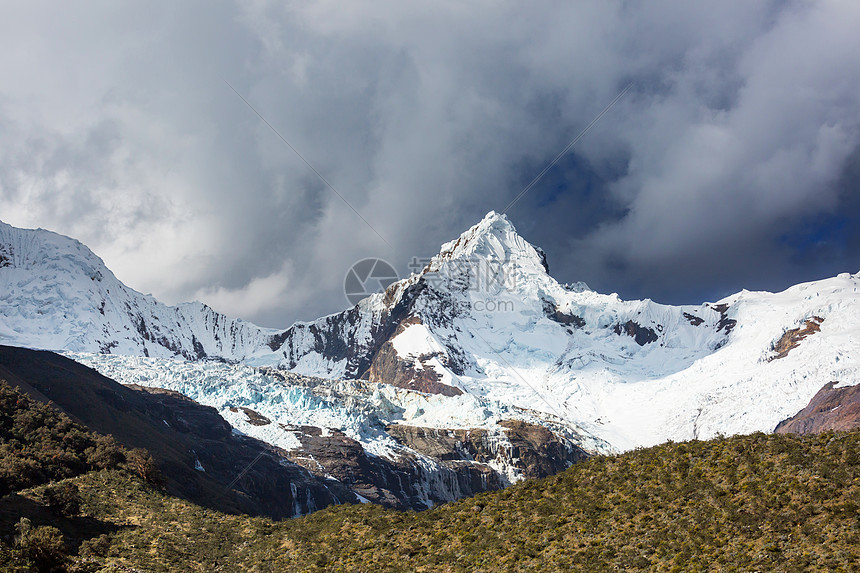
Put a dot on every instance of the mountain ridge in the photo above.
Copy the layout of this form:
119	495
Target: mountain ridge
56	294
484	318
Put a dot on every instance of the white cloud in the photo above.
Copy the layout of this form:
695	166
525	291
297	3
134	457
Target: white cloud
424	116
260	294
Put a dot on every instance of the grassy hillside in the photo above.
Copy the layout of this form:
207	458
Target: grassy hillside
40	446
759	502
178	432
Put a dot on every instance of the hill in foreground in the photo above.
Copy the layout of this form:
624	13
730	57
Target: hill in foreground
757	502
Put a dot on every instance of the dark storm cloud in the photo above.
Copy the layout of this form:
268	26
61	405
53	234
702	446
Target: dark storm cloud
727	165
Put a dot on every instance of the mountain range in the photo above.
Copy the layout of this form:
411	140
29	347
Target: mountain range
474	372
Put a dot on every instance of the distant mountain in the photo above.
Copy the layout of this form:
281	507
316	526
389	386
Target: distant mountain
486	306
56	294
483	319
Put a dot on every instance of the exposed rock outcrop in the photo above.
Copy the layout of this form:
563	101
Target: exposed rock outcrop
532	450
539	452
254	417
641	334
436	465
792	338
694	320
554	313
403	481
389	368
725	323
830	409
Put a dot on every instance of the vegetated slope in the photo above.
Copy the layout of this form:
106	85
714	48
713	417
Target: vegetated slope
40	445
198	454
753	502
757	502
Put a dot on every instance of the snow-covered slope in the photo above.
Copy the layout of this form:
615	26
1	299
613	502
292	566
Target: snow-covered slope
55	294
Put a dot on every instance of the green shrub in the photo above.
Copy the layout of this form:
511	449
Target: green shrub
63	499
43	546
141	462
97	546
38	444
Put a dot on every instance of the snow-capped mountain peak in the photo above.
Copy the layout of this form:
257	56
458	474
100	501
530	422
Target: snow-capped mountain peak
493	237
492	245
48	251
483	318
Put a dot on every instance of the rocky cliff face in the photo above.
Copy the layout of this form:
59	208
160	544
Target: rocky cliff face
531	449
830	409
405	480
436	465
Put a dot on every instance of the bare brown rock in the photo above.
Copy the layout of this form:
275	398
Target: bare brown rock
389	368
401	482
641	334
254	418
694	320
534	450
791	338
539	452
725	323
830	409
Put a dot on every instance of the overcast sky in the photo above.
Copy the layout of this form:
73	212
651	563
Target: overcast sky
732	162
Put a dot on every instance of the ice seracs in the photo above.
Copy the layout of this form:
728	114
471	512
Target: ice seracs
394	446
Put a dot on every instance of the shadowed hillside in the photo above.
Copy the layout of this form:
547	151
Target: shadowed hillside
196	451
